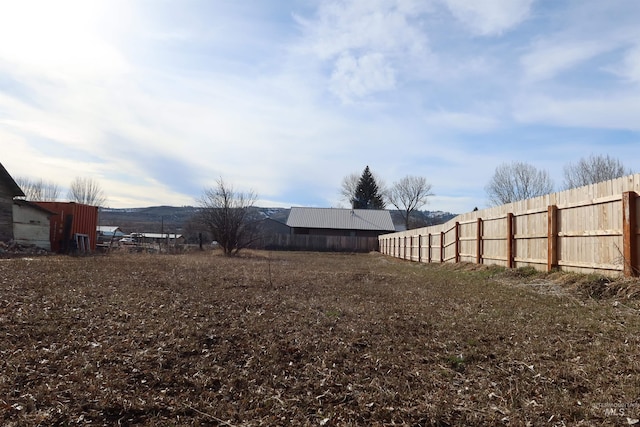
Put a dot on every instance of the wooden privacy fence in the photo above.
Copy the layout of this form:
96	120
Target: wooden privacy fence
310	242
587	229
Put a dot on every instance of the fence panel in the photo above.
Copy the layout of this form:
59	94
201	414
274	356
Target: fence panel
587	229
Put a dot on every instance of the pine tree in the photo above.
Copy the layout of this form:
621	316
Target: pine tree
367	194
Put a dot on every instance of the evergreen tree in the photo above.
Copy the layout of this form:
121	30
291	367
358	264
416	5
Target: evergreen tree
367	195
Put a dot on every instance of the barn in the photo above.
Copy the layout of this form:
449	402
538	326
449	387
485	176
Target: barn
8	191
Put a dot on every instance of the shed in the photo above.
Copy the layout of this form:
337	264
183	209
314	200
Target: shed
340	222
8	191
109	233
73	226
31	224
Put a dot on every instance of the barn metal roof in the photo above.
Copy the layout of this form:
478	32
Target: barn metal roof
343	219
10	183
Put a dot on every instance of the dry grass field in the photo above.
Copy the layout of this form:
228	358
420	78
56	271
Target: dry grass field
311	339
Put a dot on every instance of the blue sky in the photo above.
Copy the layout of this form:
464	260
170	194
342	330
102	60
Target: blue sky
158	99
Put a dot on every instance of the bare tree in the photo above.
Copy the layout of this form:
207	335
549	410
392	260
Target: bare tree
87	191
593	169
408	194
517	181
349	187
227	215
38	190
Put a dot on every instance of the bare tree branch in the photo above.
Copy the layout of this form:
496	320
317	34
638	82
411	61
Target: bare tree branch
349	186
87	191
517	181
593	169
38	190
226	213
408	194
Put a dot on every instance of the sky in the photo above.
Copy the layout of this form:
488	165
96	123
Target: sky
157	100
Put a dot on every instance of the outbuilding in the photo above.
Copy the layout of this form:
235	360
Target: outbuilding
73	227
31	224
109	234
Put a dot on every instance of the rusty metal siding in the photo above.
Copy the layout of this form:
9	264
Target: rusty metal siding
84	220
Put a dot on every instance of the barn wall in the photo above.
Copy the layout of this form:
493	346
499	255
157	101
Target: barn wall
6	216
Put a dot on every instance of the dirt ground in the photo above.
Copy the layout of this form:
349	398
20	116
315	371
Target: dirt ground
276	338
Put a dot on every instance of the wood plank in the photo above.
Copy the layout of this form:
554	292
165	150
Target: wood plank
590	233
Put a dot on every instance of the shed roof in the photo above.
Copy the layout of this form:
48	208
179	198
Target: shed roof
31	205
342	219
108	228
12	186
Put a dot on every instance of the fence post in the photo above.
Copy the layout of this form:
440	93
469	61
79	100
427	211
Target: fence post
407	249
429	248
552	237
419	247
509	240
479	241
457	246
630	233
442	246
410	248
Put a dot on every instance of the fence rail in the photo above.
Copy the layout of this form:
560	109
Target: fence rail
587	229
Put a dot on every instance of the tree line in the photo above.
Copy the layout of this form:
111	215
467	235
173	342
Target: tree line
87	191
516	181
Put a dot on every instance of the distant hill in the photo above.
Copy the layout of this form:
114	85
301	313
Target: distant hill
172	219
156	219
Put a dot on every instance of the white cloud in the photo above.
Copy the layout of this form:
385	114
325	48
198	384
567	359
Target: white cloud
490	17
551	57
630	67
369	45
361	25
608	111
359	77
